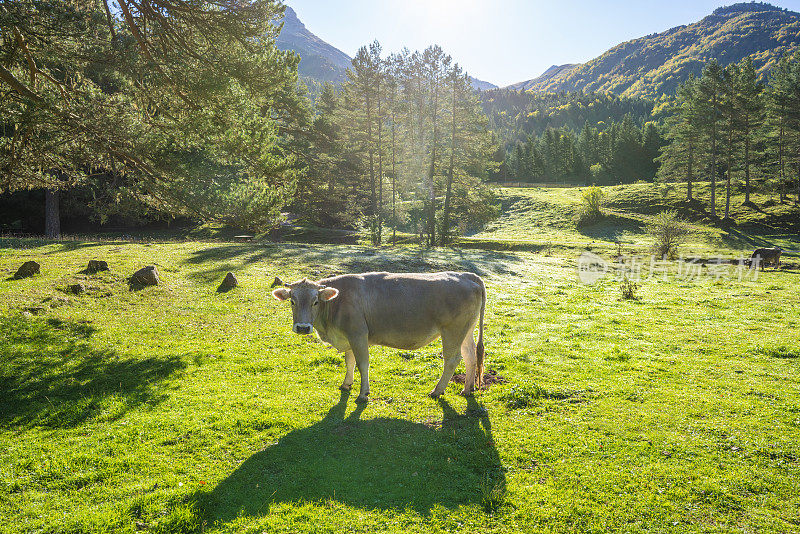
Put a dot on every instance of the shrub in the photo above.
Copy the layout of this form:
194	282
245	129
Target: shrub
629	288
669	232
591	208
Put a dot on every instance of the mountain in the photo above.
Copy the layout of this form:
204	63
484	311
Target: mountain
480	85
655	64
318	59
321	61
553	74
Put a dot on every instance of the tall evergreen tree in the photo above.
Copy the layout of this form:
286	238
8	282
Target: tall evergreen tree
749	104
779	98
730	125
169	95
710	100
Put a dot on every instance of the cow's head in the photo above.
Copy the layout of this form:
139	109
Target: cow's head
305	297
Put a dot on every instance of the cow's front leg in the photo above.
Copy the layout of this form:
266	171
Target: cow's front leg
350	365
361	355
451	353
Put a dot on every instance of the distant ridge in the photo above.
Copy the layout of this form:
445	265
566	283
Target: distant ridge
480	85
655	64
553	74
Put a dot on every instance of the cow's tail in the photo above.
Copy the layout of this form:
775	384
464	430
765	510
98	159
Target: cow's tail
479	349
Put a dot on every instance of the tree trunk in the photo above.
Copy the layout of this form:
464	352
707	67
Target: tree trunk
447	197
781	164
728	173
394	183
747	160
432	168
371	148
714	160
52	214
379	222
689	176
432	195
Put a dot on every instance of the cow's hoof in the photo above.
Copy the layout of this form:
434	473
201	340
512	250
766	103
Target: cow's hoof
345	388
362	399
465	393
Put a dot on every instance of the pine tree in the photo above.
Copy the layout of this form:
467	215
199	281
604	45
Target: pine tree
730	126
749	103
363	123
710	101
779	96
179	99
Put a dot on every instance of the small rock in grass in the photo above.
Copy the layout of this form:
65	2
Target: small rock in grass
76	289
146	276
28	269
228	283
95	266
56	302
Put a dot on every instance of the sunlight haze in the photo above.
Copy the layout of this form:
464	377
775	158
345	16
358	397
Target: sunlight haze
503	41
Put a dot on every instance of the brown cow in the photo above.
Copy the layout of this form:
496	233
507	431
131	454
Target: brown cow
764	256
402	311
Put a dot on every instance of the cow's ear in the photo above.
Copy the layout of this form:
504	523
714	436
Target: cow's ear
281	293
328	293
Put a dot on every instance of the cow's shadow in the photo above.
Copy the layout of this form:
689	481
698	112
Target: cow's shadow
381	463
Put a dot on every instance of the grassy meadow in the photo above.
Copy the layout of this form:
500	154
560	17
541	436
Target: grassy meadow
180	409
541	219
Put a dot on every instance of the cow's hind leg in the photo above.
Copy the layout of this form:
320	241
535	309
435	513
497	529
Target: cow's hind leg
360	350
470	356
350	365
451	353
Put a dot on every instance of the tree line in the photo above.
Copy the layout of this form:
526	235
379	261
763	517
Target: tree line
572	137
621	153
402	144
727	126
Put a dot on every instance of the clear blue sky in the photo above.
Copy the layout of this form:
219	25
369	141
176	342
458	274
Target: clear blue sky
501	41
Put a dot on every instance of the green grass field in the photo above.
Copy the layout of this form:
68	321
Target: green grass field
544	219
179	409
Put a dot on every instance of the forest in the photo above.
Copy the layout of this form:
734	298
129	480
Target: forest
182	109
727	126
169	110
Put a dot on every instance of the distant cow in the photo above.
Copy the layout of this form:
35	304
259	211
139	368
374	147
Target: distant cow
402	311
766	256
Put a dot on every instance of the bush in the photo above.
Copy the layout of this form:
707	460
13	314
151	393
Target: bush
628	288
669	232
591	208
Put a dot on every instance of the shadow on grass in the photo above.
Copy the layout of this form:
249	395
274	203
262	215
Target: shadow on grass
333	260
51	376
736	237
611	227
381	463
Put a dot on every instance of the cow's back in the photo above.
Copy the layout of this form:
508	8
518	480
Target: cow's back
404	310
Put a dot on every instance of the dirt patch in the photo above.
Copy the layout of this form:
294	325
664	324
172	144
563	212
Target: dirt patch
490	378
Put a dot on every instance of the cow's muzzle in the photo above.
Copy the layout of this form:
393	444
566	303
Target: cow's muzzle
302	328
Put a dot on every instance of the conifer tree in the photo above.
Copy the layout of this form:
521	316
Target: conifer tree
749	104
710	101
